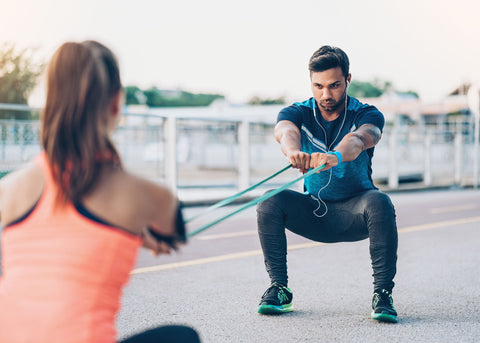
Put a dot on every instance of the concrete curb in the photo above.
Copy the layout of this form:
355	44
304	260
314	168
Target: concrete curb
212	196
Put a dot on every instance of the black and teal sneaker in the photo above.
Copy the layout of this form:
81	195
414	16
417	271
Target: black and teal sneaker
277	299
382	305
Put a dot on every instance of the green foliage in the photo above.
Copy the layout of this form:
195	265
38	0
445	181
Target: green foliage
412	93
134	96
374	89
361	89
18	77
154	97
255	100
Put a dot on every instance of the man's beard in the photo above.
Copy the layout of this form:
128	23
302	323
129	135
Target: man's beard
333	106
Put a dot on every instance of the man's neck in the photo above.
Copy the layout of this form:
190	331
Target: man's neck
330	116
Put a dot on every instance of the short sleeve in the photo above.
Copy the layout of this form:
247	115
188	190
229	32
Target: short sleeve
371	115
291	113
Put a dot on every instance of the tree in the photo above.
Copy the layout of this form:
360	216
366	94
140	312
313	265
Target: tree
374	89
18	77
361	89
154	98
176	98
411	93
256	100
134	96
18	74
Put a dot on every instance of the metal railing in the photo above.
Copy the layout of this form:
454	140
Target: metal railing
201	152
432	154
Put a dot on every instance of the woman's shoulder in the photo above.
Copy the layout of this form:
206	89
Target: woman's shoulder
20	190
136	185
129	201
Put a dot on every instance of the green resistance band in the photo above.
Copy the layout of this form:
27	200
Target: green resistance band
235	196
255	201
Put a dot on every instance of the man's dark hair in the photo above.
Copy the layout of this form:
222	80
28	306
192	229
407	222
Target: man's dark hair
328	57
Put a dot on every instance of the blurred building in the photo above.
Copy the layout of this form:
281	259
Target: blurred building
402	107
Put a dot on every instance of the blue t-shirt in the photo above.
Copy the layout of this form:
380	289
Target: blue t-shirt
318	135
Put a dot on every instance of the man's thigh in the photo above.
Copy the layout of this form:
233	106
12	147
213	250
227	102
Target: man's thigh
325	222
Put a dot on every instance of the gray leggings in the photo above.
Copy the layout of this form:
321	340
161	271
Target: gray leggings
368	215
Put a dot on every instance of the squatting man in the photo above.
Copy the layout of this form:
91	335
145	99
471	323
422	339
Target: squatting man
340	202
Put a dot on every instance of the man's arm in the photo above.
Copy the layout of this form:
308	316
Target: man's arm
365	137
289	137
352	144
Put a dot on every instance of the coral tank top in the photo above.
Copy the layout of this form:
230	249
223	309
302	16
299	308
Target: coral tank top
63	274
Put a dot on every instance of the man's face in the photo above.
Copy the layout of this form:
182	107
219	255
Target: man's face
329	89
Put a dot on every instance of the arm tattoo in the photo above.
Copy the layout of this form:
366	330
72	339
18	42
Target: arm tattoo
374	132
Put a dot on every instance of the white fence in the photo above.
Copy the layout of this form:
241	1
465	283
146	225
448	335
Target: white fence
191	152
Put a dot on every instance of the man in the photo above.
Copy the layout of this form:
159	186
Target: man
340	204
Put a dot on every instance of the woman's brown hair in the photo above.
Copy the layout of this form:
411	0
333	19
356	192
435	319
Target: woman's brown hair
82	80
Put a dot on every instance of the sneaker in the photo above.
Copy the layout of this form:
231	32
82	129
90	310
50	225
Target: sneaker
382	305
276	299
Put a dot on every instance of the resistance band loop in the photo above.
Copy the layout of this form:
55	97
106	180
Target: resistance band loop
256	201
235	196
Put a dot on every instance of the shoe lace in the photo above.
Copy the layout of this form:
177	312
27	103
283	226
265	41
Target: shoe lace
282	297
386	295
276	289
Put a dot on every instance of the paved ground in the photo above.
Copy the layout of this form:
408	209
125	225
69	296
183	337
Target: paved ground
214	283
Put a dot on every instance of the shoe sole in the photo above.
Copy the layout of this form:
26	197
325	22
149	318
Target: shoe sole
272	309
383	317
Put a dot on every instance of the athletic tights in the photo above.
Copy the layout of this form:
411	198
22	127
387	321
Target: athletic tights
368	215
166	334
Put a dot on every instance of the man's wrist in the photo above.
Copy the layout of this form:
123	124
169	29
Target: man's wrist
338	154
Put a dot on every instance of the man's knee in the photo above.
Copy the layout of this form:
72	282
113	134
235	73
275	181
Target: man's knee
381	221
380	216
273	204
379	202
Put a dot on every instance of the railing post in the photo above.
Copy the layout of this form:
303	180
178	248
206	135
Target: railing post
392	159
458	155
171	153
427	172
4	140
244	158
21	133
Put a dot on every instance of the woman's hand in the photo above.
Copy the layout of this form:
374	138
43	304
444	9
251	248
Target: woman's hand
155	245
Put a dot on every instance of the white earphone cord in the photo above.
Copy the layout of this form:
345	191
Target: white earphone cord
318	198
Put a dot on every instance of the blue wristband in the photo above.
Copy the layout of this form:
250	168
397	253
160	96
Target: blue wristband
338	154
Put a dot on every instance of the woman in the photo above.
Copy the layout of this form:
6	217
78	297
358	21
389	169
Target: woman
74	218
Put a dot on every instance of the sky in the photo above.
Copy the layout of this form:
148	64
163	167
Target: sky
259	47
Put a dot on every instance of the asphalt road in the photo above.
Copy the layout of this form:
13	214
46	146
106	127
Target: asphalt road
215	282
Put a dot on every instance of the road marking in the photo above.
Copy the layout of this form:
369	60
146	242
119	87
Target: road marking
437	225
453	208
258	252
228	235
196	262
220	258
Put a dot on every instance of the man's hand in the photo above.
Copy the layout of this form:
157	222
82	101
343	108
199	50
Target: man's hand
299	160
288	135
317	159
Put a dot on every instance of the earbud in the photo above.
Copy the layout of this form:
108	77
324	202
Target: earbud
348	83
